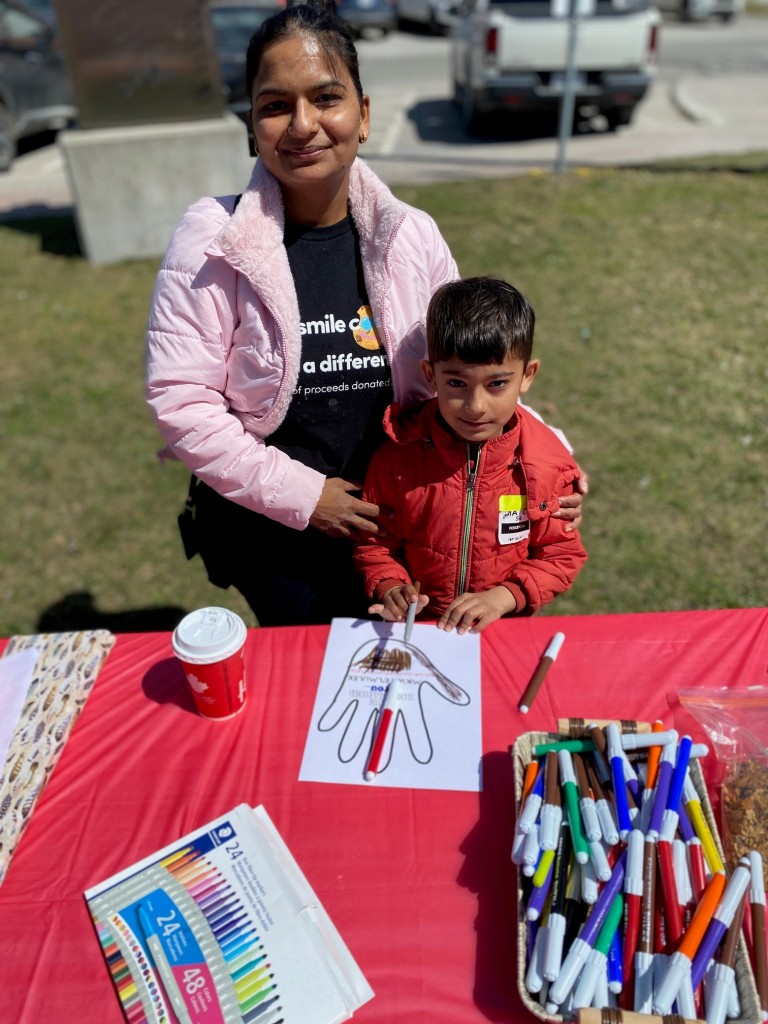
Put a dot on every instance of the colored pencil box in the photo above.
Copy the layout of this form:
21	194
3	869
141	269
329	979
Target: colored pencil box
522	754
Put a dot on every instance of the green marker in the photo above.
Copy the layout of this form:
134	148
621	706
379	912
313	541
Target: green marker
583	746
571	795
597	961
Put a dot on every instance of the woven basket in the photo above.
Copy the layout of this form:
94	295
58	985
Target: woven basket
522	754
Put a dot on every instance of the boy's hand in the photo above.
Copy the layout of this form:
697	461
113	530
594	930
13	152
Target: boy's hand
394	603
473	612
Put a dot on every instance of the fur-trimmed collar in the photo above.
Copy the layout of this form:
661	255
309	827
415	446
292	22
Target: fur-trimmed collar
254	234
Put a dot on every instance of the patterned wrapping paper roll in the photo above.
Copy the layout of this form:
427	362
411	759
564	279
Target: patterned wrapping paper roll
66	669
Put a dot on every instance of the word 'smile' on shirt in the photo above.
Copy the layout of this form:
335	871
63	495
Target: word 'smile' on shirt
333	423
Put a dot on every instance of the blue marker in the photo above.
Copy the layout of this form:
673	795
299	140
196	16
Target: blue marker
672	810
616	758
615	964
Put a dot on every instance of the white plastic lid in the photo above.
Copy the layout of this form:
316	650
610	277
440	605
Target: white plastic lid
208	635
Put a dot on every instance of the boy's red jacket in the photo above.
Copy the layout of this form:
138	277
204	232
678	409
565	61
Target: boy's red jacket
457	535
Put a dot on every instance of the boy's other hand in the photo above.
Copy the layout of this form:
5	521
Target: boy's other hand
571	505
474	612
393	606
339	513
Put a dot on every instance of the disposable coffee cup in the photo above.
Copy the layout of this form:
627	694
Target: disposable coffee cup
210	644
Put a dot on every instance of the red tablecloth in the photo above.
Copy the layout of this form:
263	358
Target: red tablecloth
419	883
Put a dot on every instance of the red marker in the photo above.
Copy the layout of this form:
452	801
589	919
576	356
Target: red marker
633	893
387	713
673	914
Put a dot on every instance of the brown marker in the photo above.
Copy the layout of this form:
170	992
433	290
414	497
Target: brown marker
600	760
548	659
581	775
551	785
551	810
757	910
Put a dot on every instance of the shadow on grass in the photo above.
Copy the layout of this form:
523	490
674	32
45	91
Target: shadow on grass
77	611
746	164
58	235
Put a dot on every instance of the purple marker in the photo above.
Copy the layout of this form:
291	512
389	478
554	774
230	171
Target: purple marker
663	779
581	946
539	895
684	824
721	919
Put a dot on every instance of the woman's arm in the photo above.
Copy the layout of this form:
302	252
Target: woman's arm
379	558
192	321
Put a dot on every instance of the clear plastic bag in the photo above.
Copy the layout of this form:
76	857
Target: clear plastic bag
736	722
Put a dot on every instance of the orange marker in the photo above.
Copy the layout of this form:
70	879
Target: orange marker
654	756
706	907
678	971
531	771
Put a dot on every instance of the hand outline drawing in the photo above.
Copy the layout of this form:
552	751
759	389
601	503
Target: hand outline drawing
356	703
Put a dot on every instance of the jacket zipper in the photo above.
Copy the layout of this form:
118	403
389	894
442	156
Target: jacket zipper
469	506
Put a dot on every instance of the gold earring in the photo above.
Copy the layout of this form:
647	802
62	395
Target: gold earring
362	138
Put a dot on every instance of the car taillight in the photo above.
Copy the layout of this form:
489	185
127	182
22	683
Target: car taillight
653	41
491	41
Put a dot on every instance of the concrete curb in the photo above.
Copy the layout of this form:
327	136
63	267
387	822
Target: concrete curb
689	108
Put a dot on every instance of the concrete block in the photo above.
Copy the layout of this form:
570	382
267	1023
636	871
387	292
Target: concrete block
131	185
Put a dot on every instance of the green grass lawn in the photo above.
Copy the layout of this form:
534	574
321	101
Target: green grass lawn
649	289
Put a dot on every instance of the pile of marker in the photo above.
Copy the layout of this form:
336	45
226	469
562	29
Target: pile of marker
626	898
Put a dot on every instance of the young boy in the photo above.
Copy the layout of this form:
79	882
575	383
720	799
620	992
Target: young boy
467	482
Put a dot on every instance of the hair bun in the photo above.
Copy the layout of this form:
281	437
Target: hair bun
329	6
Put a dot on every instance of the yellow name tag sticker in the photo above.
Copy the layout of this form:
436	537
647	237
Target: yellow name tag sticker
513	518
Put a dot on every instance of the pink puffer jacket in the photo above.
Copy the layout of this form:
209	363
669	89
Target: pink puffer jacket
224	342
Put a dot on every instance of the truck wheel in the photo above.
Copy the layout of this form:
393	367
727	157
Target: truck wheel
619	117
433	25
7	141
471	119
458	95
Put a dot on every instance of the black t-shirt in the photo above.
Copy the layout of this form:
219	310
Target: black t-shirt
333	423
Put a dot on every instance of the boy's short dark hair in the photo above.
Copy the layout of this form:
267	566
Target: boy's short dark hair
479	320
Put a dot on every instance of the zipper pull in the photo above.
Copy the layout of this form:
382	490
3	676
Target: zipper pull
473	465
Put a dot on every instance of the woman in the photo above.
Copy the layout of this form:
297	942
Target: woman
281	327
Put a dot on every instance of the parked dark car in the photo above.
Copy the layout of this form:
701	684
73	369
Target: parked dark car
362	15
35	94
233	25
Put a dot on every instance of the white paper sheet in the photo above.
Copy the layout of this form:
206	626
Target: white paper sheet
16	671
435	741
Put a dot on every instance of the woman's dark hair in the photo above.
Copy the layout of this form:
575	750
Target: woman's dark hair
480	320
319	21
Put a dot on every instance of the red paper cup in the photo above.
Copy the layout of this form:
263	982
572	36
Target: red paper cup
210	644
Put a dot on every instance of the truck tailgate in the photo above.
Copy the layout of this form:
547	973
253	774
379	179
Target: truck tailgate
605	42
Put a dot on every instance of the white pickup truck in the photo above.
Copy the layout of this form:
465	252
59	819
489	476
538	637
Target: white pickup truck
512	55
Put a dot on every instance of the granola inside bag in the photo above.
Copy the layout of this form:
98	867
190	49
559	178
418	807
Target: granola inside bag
736	723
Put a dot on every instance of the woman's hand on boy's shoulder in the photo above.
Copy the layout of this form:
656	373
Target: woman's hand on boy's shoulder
571	505
340	513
